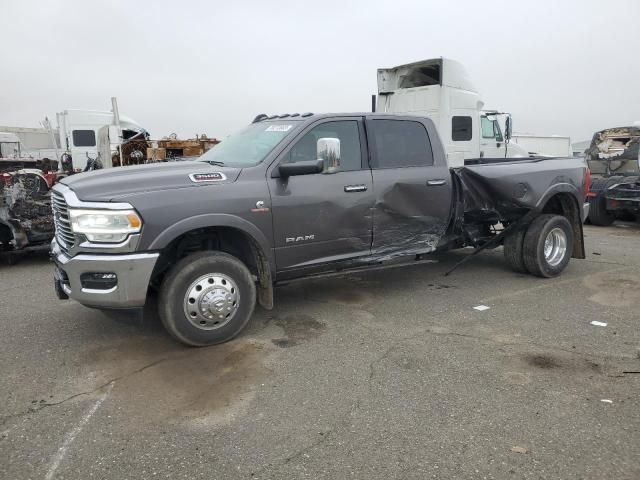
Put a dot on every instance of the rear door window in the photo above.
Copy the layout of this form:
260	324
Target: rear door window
400	143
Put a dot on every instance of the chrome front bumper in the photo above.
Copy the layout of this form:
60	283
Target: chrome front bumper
133	274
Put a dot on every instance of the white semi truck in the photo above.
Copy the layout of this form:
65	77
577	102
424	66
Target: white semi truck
441	89
80	136
89	135
83	140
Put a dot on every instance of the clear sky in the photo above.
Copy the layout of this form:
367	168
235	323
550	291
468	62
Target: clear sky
561	67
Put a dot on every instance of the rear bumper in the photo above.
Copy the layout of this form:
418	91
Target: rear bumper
624	196
133	273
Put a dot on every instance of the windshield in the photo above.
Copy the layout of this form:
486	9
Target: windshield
249	146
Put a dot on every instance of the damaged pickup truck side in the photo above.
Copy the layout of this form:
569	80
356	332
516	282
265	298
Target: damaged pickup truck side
295	196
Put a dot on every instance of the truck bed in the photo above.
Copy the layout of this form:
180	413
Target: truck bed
509	185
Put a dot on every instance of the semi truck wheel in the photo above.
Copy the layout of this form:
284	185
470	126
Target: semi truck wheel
513	250
207	298
598	214
548	245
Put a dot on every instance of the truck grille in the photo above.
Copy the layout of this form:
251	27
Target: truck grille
64	234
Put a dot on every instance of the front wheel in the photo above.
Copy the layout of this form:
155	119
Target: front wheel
548	245
207	298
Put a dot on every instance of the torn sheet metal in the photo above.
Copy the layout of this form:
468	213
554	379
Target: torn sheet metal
511	187
485	199
409	218
614	151
25	210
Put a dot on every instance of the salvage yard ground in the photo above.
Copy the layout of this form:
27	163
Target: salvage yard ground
386	374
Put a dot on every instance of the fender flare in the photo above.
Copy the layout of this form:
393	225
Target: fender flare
215	220
576	222
555	189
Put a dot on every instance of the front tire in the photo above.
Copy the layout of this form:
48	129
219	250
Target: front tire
548	245
207	298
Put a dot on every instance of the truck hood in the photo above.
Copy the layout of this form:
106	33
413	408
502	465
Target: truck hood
115	183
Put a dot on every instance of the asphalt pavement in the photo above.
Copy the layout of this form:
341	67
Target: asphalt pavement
390	374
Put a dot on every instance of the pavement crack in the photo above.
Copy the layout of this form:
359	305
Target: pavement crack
37	408
298	453
542	346
545	285
607	263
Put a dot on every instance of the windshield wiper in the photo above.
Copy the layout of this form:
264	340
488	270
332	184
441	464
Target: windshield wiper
216	163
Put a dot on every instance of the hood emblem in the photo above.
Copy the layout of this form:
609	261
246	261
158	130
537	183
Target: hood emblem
207	177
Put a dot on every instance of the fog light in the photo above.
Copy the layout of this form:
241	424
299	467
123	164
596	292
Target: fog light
99	280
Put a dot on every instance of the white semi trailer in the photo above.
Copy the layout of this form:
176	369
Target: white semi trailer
546	146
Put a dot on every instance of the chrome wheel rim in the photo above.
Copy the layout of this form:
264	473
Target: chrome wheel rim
555	246
211	301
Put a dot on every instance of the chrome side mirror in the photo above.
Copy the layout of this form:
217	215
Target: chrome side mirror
328	149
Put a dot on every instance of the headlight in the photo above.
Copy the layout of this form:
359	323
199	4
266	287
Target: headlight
105	226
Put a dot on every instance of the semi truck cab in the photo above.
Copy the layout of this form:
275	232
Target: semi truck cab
441	89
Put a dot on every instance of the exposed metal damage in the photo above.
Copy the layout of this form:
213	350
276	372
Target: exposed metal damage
25	210
614	151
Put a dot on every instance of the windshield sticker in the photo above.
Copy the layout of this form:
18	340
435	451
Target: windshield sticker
207	177
278	128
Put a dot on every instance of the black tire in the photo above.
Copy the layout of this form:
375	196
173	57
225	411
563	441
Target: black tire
513	242
534	246
172	300
598	213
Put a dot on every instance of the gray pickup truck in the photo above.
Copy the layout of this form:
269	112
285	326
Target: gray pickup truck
295	196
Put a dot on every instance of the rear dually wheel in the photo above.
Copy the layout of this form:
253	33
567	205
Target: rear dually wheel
548	245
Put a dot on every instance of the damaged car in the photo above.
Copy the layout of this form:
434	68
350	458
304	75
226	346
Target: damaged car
613	158
295	196
25	210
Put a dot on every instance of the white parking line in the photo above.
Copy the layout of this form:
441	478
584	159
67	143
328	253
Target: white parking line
71	436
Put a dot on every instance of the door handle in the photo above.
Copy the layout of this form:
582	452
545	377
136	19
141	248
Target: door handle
437	182
355	188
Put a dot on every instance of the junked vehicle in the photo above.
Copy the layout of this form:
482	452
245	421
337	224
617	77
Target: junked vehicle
295	196
614	160
83	140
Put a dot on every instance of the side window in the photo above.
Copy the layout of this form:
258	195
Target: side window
490	129
400	143
84	138
487	128
461	129
346	131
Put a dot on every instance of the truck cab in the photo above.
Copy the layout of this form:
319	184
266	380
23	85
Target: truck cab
441	89
90	135
294	196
